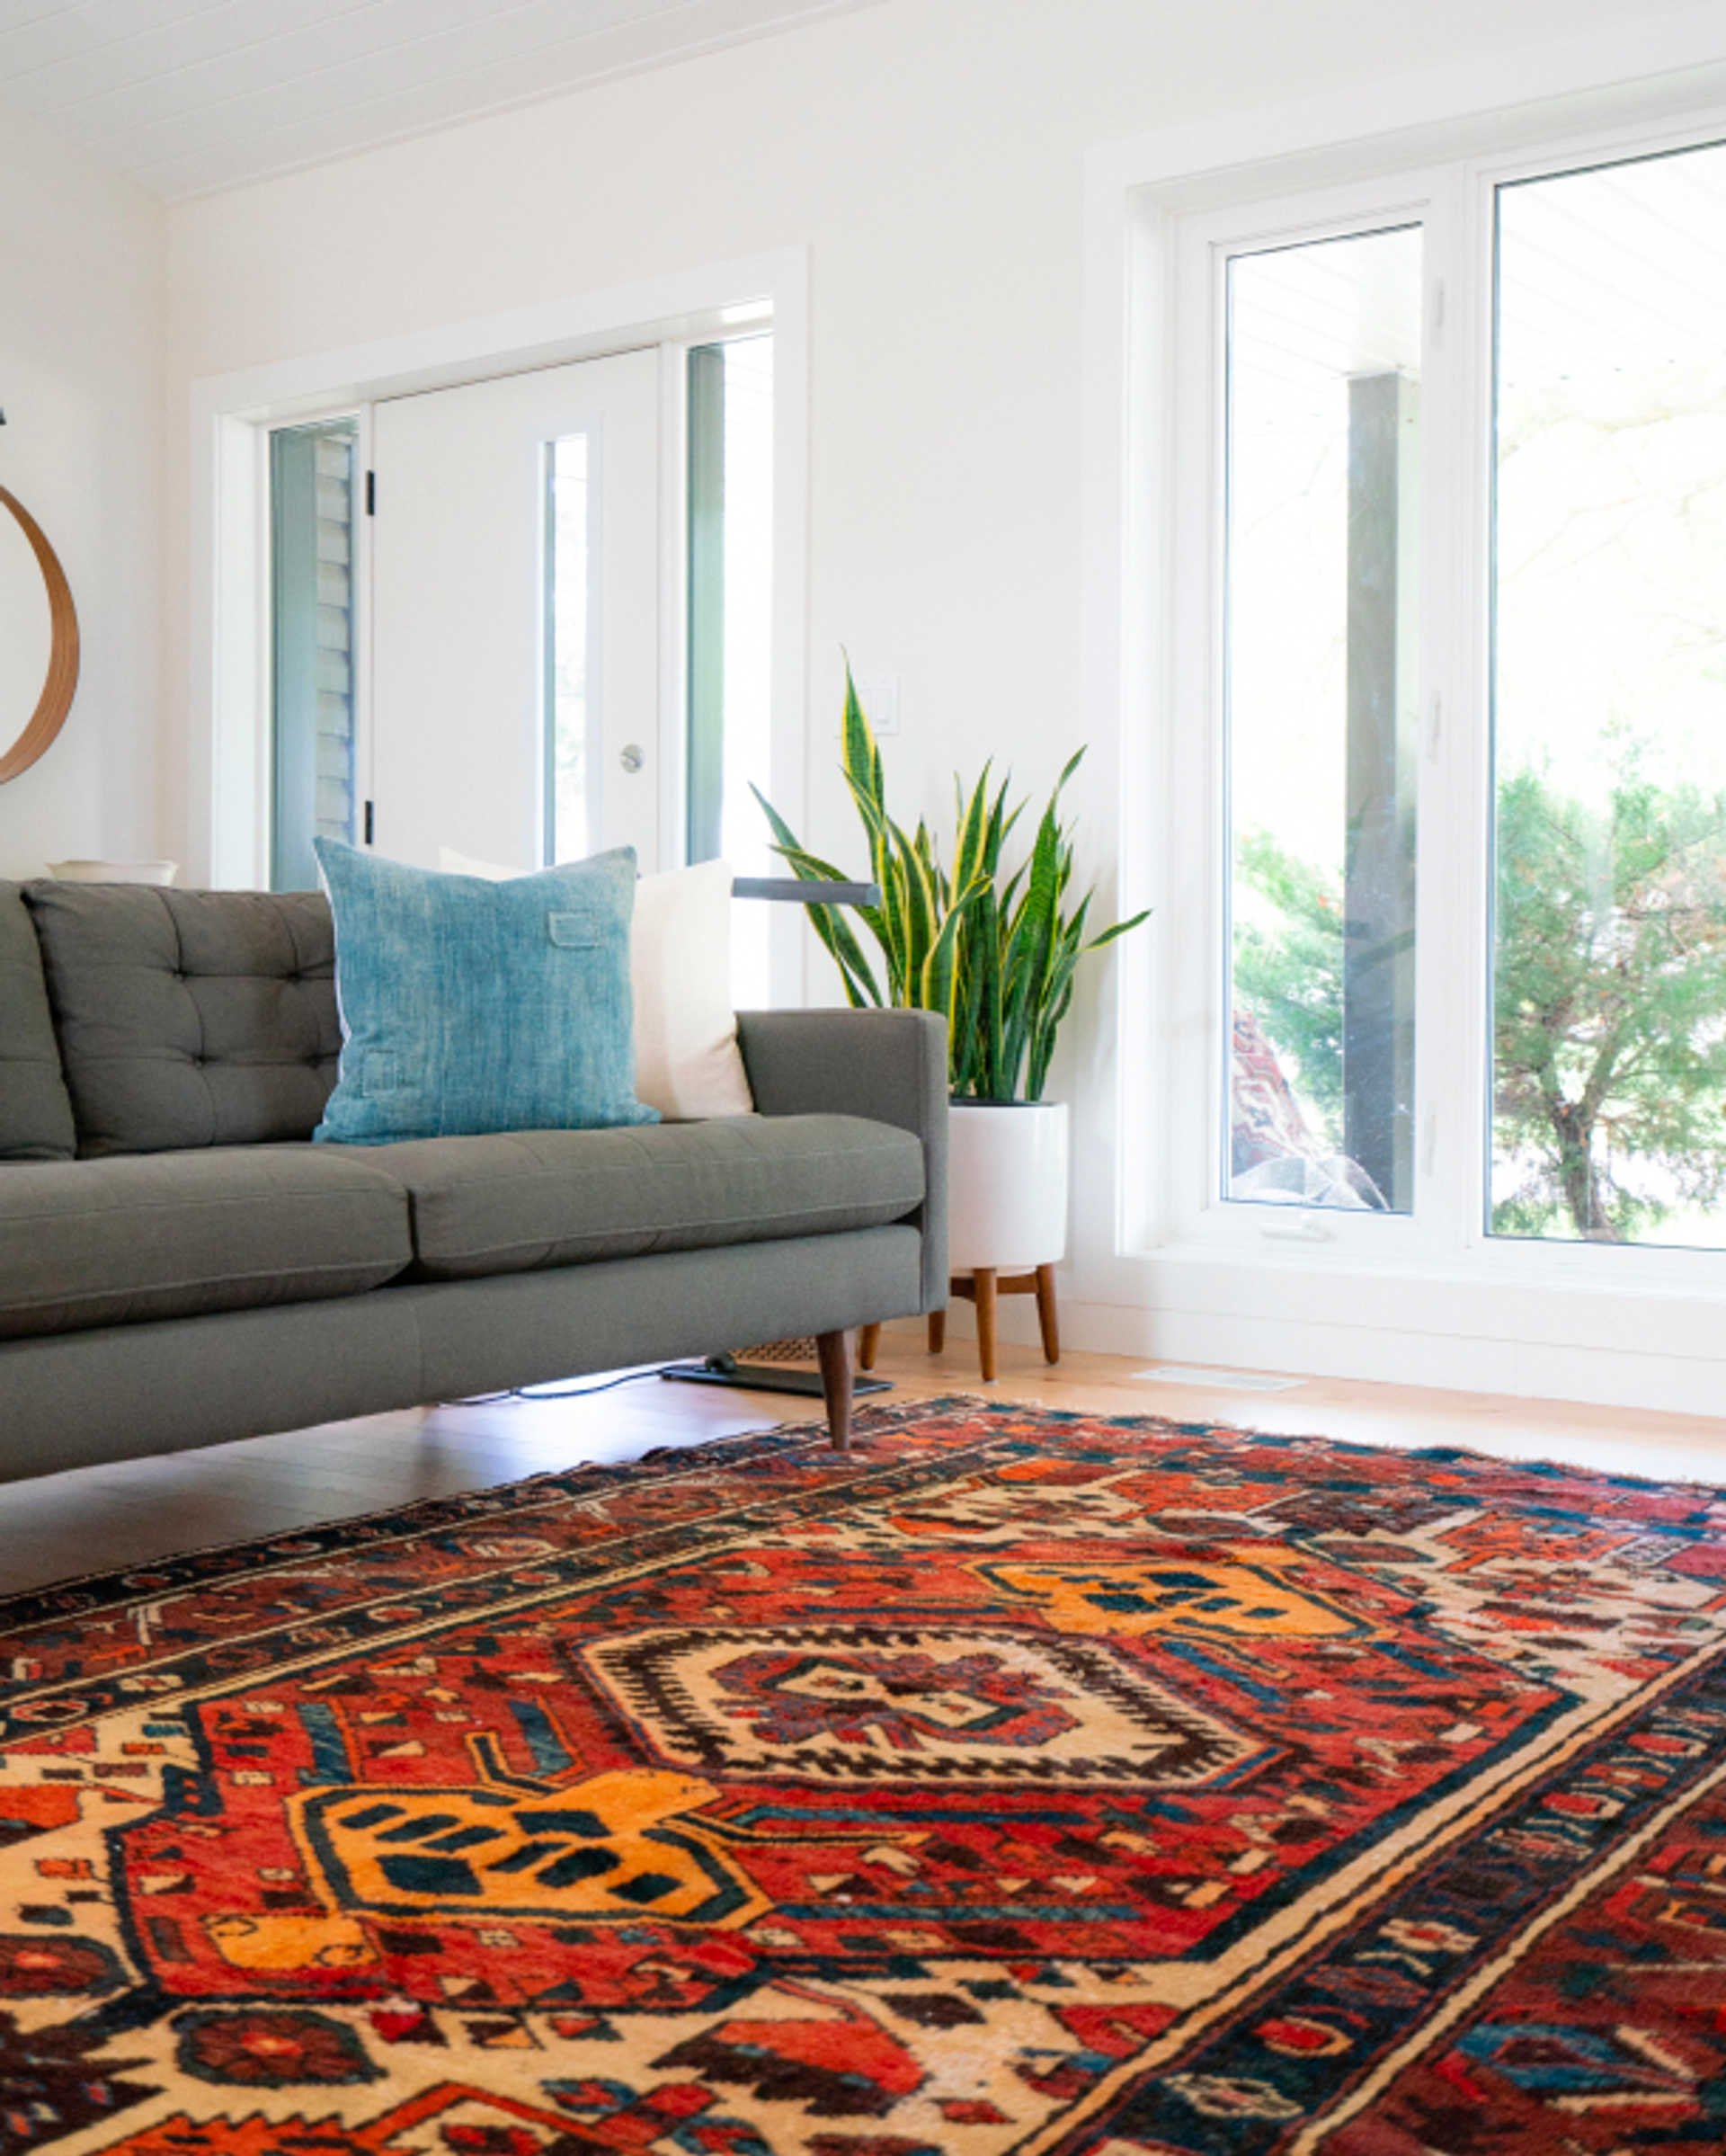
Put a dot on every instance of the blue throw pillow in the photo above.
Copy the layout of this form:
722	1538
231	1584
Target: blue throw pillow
470	1006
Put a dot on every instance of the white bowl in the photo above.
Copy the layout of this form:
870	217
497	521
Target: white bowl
114	872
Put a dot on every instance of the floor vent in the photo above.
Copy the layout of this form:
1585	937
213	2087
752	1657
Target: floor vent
1222	1381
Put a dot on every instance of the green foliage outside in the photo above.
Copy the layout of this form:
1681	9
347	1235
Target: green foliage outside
1609	999
996	954
1290	974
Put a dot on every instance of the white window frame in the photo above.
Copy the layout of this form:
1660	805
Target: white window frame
1176	1270
1204	246
233	413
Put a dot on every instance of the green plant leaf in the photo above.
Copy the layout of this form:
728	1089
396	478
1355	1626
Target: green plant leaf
1120	929
828	923
994	950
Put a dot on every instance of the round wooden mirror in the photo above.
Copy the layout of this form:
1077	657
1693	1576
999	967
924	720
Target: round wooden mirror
39	640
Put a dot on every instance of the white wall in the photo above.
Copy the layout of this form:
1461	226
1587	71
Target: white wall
81	328
930	152
932	155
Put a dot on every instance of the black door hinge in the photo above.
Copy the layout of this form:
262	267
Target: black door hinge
371	493
371	825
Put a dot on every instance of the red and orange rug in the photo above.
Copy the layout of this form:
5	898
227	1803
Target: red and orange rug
1021	1783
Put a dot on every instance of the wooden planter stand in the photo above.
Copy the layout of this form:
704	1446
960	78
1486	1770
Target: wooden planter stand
982	1287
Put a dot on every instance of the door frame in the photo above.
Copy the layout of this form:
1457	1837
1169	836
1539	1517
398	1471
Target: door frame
232	414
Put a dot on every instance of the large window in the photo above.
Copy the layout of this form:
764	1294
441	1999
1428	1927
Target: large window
1609	705
1465	670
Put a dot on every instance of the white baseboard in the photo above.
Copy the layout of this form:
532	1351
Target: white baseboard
1596	1377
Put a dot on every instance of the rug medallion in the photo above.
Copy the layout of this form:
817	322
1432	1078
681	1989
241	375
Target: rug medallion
1021	1783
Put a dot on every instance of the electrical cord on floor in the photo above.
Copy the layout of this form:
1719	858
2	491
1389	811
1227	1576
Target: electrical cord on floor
723	1364
573	1392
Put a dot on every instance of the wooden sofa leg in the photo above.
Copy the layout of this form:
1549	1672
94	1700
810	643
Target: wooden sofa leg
834	1350
936	1331
867	1340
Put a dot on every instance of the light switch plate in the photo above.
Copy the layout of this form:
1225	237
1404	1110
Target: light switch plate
879	693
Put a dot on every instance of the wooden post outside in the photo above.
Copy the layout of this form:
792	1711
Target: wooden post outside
1378	871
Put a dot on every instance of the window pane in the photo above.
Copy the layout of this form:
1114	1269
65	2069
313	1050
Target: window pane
731	622
311	515
570	835
1323	455
1609	1081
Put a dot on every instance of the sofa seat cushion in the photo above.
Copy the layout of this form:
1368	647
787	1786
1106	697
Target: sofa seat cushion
111	1241
514	1201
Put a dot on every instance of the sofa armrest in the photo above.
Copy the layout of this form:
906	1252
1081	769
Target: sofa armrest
890	1065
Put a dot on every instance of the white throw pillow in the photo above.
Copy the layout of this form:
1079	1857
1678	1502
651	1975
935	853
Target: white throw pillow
688	1063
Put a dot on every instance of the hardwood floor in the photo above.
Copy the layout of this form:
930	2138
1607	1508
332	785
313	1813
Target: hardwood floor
97	1518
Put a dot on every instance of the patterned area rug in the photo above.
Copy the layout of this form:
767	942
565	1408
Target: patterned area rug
1022	1783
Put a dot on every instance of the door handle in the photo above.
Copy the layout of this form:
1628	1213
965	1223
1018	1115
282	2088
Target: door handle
633	757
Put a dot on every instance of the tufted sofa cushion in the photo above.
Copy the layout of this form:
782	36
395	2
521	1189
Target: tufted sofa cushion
190	1018
35	1112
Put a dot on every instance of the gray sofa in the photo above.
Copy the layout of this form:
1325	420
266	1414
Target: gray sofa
179	1265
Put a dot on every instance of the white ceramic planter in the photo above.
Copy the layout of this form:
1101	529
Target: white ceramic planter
1006	1185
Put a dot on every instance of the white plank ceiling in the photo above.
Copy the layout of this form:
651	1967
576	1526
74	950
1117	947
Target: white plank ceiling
190	96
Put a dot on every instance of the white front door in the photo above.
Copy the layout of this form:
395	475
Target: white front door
515	692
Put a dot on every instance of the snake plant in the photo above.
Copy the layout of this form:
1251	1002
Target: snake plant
996	958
